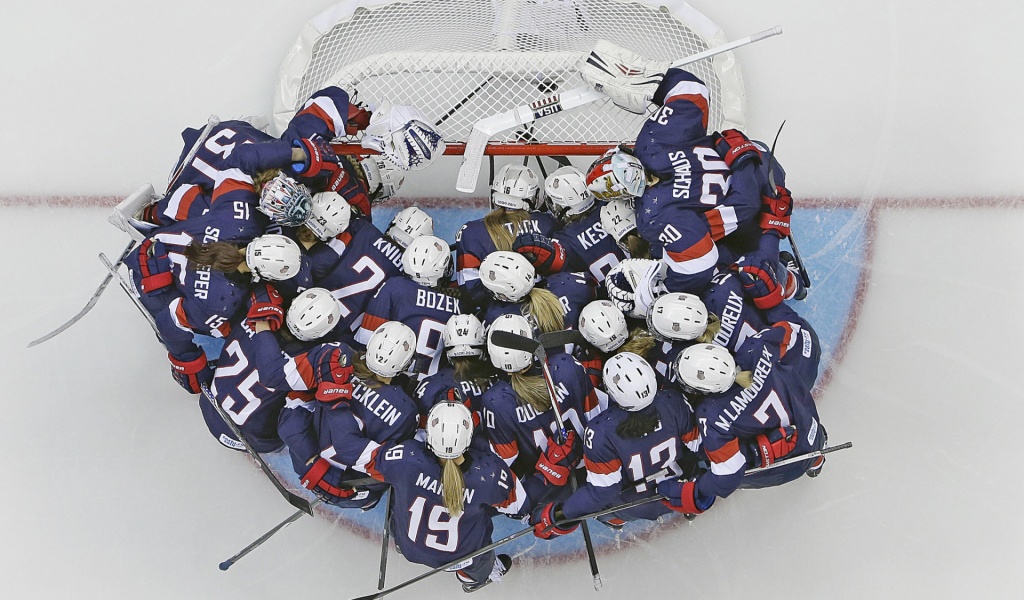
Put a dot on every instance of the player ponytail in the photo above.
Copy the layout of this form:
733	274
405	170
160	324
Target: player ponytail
531	389
714	326
639	342
546	310
745	379
472	369
638	424
262	178
219	256
453	487
637	246
495	222
363	373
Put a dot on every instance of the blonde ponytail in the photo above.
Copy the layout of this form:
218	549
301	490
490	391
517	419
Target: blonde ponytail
546	309
453	487
531	389
495	222
714	325
639	342
745	379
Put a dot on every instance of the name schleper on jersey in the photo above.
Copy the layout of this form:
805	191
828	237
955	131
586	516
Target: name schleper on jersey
740	401
429	483
376	404
731	313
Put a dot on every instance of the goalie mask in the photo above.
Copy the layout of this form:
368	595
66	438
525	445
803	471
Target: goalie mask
629	381
603	325
313	314
449	429
516	187
402	135
510	360
677	317
428	261
464	336
567	192
390	349
273	257
617	175
383	178
329	215
408	225
507	275
705	369
285	201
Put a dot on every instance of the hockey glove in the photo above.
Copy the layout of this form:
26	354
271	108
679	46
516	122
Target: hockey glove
681	496
557	462
191	373
265	305
333	372
320	158
349	188
735	148
544	253
544	518
760	282
313	481
634	284
770	447
776	213
358	118
154	266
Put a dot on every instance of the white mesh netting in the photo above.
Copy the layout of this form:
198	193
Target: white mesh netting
462	60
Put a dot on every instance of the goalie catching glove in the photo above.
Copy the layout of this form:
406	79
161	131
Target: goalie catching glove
634	284
629	79
401	133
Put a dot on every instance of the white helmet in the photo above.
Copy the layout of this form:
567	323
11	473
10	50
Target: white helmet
618	218
329	215
603	325
677	317
383	178
274	257
390	349
464	336
427	260
449	429
313	314
516	187
630	381
401	134
567	191
409	224
510	360
285	201
705	369
507	275
629	172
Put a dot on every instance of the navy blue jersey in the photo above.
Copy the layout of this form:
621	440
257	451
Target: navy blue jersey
661	356
612	460
434	386
739	318
518	433
424	310
588	247
423	529
573	290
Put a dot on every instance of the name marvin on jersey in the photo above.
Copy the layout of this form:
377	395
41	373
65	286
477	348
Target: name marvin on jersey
740	401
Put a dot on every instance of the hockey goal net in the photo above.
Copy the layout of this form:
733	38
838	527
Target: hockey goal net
462	60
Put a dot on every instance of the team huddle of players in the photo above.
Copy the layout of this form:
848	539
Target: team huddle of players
372	354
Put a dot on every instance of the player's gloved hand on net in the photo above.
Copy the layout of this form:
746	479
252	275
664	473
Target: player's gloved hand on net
333	372
358	117
265	305
776	212
313	480
319	157
735	148
760	281
544	519
681	496
545	254
557	462
770	447
191	371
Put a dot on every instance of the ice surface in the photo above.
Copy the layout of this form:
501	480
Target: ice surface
114	489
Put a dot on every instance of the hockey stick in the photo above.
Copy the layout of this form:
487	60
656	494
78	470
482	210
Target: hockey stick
385	538
802	457
553	339
92	301
212	122
488	127
112	271
463	102
805	277
511	537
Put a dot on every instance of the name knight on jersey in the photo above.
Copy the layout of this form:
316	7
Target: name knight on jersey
390	251
376	404
745	397
442	302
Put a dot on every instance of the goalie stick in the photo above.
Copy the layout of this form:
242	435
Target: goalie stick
490	126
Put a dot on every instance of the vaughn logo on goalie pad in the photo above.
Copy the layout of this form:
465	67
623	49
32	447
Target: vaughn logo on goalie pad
546	106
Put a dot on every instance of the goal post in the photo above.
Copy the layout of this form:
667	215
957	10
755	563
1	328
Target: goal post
460	61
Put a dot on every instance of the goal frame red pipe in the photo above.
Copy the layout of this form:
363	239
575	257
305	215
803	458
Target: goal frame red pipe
459	148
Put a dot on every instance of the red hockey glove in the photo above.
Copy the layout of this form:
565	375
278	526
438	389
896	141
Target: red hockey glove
333	372
154	266
313	480
776	212
320	158
681	496
543	520
735	148
760	283
352	190
544	253
358	119
770	447
191	373
265	305
557	462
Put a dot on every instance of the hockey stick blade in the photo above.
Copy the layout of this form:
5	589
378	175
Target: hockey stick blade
507	339
556	339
